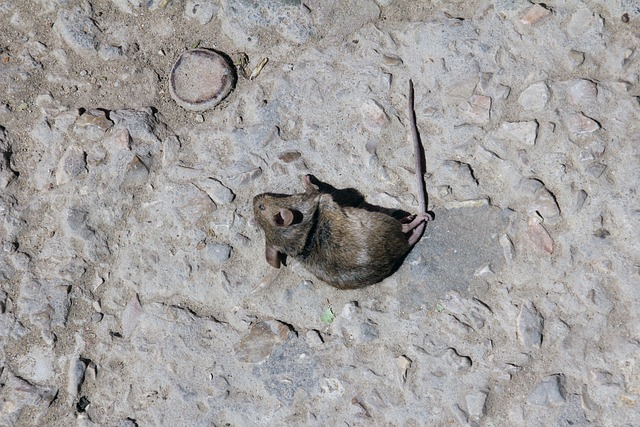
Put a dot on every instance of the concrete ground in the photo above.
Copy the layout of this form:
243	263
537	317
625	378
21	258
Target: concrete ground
130	266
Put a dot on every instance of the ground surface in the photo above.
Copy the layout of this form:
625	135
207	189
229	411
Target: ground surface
130	265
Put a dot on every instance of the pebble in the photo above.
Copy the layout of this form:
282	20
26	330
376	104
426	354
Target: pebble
200	79
200	10
6	173
78	30
535	97
585	23
170	151
37	365
576	57
534	14
529	324
596	169
93	124
219	252
540	237
260	342
549	391
583	93
20	395
216	190
544	203
508	250
476	404
140	124
374	118
290	156
77	223
404	364
71	165
130	316
478	109
581	197
75	375
121	140
94	118
578	123
523	132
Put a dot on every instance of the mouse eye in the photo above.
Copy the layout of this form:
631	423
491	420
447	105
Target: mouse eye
261	207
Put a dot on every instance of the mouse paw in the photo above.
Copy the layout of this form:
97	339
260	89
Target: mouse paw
412	221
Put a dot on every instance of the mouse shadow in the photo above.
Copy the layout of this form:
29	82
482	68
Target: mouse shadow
351	197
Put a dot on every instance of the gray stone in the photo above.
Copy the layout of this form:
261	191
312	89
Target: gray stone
216	190
584	21
476	403
77	368
508	250
540	237
21	396
78	30
219	252
373	115
582	93
478	109
290	369
545	205
529	325
549	391
141	125
580	124
130	316
534	14
284	17
258	345
535	97
71	165
6	173
200	10
522	132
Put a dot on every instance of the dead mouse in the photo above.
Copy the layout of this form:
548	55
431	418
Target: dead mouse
346	246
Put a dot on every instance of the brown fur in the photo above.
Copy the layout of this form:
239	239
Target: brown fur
344	246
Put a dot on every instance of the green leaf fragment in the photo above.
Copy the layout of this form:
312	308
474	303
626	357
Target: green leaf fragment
327	315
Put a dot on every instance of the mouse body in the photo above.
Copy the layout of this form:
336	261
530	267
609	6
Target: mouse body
345	246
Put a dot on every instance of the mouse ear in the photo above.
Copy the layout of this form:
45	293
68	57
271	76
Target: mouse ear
273	256
283	218
311	184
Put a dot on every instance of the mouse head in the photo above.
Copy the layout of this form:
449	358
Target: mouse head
286	221
276	210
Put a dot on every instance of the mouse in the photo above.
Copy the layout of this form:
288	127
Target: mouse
337	236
